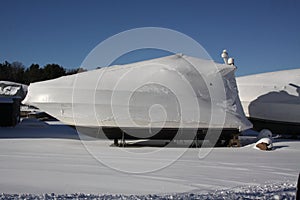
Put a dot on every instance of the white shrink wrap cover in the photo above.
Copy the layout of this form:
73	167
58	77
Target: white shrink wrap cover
176	91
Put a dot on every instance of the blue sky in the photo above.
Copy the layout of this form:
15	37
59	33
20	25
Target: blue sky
262	35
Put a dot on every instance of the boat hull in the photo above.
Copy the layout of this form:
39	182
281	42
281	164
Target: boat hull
271	100
133	133
277	127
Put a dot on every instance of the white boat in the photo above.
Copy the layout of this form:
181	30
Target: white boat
149	99
271	100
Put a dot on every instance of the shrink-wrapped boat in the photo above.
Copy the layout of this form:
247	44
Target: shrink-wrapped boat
271	100
150	99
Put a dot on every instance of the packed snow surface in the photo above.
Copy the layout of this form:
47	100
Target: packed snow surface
41	158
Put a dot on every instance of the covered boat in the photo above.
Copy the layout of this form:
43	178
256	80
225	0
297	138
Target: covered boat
149	99
12	89
271	100
11	95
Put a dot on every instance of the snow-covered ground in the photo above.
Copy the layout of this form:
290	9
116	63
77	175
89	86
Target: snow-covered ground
48	157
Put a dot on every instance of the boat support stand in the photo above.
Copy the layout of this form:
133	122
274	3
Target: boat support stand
122	143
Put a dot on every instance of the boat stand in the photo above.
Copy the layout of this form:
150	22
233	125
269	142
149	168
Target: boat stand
234	141
122	143
197	142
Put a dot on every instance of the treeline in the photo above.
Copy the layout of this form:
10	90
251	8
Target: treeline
17	72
